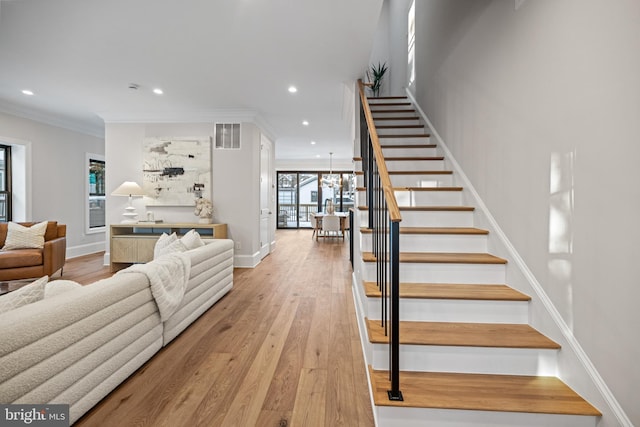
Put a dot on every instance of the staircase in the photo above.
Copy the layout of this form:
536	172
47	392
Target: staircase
468	356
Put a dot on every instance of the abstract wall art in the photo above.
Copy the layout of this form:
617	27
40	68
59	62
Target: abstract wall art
176	171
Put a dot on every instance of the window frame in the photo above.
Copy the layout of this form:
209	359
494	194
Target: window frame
89	157
6	183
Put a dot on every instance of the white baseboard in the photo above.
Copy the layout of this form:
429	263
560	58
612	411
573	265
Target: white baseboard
80	250
570	343
246	261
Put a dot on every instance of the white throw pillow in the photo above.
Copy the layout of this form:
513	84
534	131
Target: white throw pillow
57	287
25	295
174	247
192	240
21	237
163	242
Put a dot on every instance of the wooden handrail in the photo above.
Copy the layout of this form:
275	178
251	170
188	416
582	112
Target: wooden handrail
392	203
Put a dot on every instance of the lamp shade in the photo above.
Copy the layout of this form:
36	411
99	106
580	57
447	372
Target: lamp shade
128	188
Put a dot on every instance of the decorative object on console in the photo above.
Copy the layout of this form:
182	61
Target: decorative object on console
130	189
204	209
174	169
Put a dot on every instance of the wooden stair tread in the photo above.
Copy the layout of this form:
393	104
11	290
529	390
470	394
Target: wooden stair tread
454	291
409	146
392	110
482	392
400	127
408	135
430	208
390	104
459	334
403	159
396	118
436	230
442	258
427	188
425	172
374	98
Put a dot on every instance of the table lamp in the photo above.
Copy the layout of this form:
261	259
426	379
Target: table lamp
130	189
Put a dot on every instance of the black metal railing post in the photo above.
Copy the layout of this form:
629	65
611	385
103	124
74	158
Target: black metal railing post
385	237
394	247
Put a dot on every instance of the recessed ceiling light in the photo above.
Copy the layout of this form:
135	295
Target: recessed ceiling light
313	143
305	123
27	92
158	91
318	156
293	89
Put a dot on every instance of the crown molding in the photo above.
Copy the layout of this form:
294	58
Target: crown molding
203	116
52	119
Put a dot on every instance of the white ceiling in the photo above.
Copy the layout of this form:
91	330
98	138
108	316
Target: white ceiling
211	57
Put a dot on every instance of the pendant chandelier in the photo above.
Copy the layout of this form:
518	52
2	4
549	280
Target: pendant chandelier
331	180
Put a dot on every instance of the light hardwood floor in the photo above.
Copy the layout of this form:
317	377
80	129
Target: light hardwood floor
281	349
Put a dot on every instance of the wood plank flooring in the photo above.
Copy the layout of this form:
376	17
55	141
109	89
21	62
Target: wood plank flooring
281	349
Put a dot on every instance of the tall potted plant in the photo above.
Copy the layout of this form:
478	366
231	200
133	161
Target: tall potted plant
377	71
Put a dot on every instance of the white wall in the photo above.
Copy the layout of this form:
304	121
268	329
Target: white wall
540	107
55	177
235	180
313	165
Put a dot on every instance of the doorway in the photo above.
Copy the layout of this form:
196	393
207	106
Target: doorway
301	193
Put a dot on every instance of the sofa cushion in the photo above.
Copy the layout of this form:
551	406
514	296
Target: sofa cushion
60	286
20	258
21	237
192	240
174	247
163	241
25	295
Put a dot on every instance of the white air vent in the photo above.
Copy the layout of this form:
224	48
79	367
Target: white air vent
227	136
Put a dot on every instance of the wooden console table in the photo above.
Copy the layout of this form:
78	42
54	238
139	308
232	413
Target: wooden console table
134	243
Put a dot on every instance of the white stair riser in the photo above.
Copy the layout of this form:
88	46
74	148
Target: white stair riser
434	243
400	130
422	180
421	198
405	140
392	416
409	152
391	122
448	310
377	106
399	113
412	165
430	218
443	273
469	360
429	198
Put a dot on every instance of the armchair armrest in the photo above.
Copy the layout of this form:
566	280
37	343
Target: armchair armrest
54	255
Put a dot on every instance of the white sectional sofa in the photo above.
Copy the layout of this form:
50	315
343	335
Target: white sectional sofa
76	347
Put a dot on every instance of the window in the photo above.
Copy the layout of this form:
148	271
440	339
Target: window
227	136
302	193
5	183
411	43
95	194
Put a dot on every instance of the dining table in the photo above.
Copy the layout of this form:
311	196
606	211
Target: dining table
316	222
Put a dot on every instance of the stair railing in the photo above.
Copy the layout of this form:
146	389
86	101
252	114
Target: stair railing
384	222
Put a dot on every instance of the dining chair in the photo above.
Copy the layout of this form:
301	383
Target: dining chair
331	226
314	223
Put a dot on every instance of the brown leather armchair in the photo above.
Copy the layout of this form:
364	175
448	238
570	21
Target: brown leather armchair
33	263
